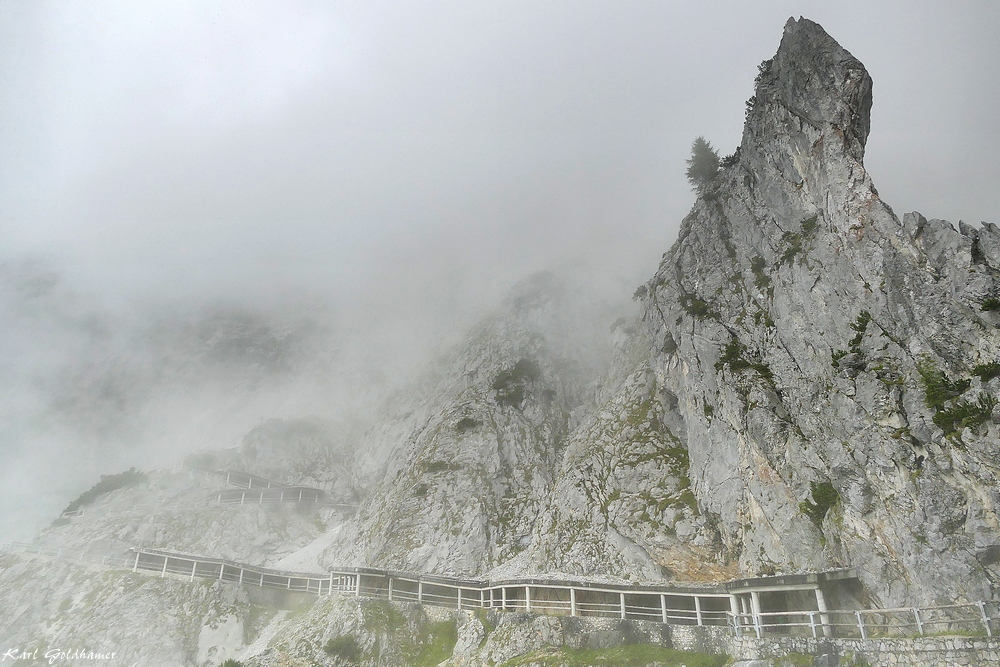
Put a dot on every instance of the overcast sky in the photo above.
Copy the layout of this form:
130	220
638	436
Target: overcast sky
205	147
413	158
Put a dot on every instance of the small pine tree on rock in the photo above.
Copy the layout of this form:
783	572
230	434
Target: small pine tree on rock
703	165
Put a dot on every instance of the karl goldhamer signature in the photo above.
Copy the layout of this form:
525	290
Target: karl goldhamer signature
54	655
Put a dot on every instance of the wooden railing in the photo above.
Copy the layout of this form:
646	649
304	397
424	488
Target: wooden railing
977	618
251	490
166	562
674	605
281	494
72	555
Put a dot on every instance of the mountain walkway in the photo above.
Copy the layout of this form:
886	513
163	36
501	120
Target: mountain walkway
250	490
776	605
735	604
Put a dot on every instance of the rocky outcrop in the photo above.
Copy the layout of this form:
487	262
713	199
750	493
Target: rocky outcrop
460	464
53	609
621	506
825	354
305	452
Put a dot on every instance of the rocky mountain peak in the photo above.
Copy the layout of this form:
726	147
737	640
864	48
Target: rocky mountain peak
806	331
812	87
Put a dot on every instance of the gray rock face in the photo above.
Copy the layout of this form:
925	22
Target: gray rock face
811	385
459	466
301	452
819	342
621	506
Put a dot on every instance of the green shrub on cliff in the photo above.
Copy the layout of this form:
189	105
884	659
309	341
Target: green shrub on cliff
107	484
703	165
824	496
938	387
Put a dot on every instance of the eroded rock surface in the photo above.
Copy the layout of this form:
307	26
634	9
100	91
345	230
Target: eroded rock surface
809	325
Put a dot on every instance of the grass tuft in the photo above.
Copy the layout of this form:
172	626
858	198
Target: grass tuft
634	655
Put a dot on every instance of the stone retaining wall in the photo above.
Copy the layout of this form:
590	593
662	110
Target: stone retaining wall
915	652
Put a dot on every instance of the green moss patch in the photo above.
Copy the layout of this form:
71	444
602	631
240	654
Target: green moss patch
759	269
733	357
511	384
402	642
436	643
987	372
941	393
635	655
696	307
965	414
860	325
824	496
938	387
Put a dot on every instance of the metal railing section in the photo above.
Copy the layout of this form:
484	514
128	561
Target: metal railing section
71	555
971	619
685	606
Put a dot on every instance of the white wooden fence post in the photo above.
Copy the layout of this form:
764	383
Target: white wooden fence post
986	619
697	609
663	608
916	617
527	598
824	618
755	608
622	599
572	602
861	625
734	609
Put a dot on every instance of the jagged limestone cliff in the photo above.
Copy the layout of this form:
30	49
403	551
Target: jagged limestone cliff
621	506
458	468
819	346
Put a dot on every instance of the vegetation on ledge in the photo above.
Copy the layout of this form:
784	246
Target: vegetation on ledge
938	387
824	496
107	484
634	655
